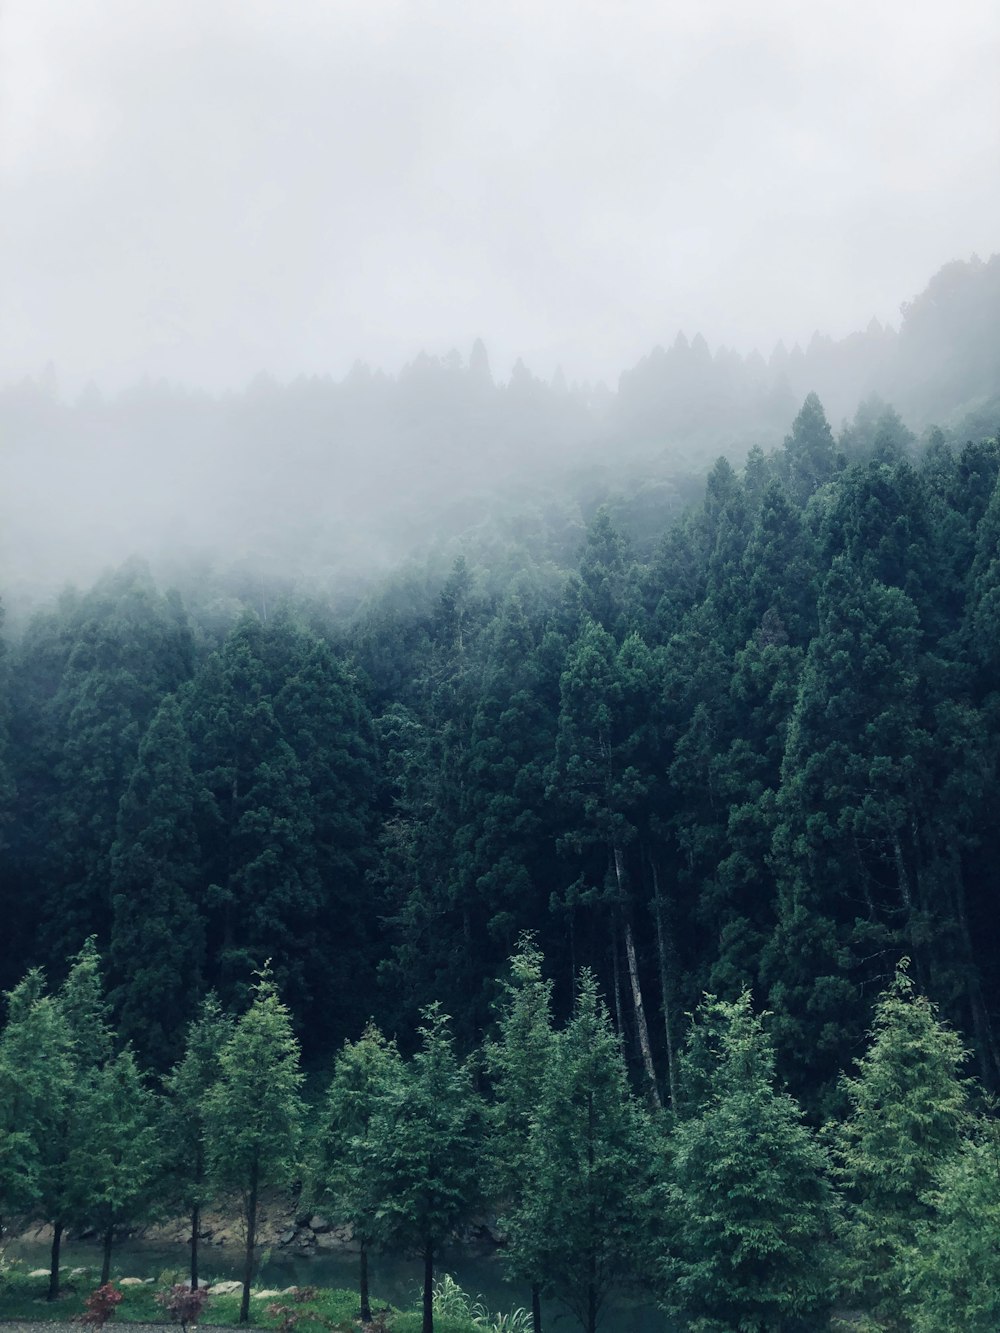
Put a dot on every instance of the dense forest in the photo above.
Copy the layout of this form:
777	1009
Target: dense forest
732	736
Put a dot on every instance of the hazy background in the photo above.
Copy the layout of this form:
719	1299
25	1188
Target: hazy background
203	189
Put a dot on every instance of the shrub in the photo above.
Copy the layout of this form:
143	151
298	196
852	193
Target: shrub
182	1303
101	1305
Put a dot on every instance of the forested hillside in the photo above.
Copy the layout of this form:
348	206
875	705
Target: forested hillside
760	751
331	484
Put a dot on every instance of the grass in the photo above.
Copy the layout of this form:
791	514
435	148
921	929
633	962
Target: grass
24	1298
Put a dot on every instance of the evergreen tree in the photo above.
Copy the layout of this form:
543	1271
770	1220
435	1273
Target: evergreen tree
589	1168
844	844
185	1118
810	455
950	1272
423	1151
158	933
517	1065
123	1156
749	1201
36	1088
254	1111
364	1076
907	1113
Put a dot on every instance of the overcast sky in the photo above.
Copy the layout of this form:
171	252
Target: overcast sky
202	189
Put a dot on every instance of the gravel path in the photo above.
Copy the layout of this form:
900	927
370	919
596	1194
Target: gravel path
113	1326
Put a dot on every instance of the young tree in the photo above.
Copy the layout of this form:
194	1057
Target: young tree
36	1083
588	1169
951	1271
749	1201
185	1121
908	1109
517	1064
124	1152
423	1156
254	1111
364	1075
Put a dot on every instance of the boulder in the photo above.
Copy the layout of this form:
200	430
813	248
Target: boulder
225	1288
318	1223
131	1281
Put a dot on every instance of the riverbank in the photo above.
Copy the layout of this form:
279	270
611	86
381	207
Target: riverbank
283	1224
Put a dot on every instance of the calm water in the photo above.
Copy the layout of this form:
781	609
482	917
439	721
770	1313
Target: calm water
392	1279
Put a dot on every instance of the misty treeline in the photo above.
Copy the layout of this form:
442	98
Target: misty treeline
729	1209
331	482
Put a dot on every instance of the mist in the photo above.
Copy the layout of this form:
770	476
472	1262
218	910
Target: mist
240	243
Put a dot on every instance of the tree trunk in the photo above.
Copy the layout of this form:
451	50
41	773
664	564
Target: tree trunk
366	1309
195	1224
633	976
536	1307
616	977
428	1324
591	1222
251	1244
664	989
989	1063
109	1234
57	1231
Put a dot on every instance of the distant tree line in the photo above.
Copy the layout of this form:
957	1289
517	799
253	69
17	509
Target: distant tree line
730	1210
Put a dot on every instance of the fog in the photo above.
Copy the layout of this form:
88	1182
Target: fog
239	243
204	191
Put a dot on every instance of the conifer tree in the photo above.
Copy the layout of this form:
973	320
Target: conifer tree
36	1088
517	1065
184	1121
124	1153
364	1076
589	1168
907	1114
254	1111
423	1151
158	934
951	1270
749	1201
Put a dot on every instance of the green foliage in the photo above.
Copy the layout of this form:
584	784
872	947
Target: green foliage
749	1202
578	1224
451	1302
124	1151
907	1114
158	934
254	1111
950	1270
423	1143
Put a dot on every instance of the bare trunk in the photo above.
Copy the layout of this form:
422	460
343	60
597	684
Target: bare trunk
366	1309
251	1245
428	1324
633	976
615	973
195	1224
57	1231
536	1308
664	989
109	1233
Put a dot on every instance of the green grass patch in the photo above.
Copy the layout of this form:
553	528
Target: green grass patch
23	1297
